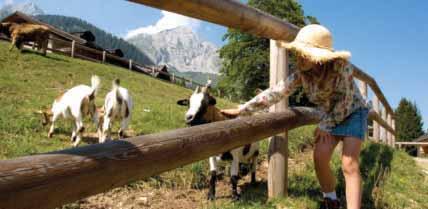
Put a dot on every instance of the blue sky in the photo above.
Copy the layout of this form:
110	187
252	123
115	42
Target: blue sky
387	38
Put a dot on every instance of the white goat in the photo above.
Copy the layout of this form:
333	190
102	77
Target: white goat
202	110
118	105
75	103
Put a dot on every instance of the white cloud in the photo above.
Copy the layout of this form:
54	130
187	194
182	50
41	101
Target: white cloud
169	20
8	2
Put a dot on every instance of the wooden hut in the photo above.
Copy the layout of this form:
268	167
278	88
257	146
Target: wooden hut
424	148
66	38
161	72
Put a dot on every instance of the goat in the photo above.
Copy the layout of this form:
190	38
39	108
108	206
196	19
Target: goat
75	103
24	32
202	110
118	105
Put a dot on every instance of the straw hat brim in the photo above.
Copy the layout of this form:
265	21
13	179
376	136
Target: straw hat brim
316	55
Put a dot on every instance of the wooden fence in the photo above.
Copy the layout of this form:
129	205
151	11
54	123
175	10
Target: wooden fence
53	179
83	52
74	50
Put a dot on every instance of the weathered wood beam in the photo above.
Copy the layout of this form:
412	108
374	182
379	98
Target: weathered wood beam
412	143
229	13
361	75
376	127
373	115
278	144
53	179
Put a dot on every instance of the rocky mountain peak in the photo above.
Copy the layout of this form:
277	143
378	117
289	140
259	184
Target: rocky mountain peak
180	48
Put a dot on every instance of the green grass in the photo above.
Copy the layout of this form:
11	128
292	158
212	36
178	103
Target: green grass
29	82
391	180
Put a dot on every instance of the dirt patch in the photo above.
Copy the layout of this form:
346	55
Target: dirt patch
146	195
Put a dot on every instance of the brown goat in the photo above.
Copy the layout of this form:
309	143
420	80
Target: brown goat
24	32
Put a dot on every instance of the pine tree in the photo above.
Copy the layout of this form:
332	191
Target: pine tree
408	121
246	57
104	39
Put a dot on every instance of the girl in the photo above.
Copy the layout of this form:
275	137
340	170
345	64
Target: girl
326	78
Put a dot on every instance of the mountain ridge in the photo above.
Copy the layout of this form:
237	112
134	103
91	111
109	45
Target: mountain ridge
179	48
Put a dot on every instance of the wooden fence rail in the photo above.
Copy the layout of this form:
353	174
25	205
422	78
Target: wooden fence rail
53	179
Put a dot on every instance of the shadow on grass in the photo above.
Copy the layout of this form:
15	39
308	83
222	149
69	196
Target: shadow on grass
27	51
375	163
254	193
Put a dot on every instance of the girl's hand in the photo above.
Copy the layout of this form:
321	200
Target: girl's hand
230	112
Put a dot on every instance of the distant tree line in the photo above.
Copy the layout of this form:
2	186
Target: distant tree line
104	39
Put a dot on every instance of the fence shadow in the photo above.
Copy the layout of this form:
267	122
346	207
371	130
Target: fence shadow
254	193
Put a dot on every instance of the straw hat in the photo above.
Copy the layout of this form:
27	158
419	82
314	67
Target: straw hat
315	43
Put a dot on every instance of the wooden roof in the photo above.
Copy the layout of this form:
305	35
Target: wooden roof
423	138
19	17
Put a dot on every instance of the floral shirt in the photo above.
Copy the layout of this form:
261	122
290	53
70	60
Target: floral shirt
333	91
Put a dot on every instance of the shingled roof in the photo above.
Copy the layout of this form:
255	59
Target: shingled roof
423	138
19	17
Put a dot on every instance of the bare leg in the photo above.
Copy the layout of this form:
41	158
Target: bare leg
324	147
351	171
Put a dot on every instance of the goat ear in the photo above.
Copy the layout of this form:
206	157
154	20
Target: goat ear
212	100
183	102
91	96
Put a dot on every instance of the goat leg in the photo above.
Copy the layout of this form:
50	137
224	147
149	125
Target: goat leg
213	180
234	182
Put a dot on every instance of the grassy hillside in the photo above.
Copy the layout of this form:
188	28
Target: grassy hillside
29	82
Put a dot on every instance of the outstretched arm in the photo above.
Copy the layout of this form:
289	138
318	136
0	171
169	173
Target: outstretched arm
268	97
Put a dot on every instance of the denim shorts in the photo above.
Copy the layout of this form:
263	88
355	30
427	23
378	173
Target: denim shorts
355	125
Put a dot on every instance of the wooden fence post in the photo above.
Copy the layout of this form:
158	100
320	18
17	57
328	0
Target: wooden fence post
173	77
389	134
383	132
376	127
104	56
73	47
364	93
191	83
130	64
278	146
393	135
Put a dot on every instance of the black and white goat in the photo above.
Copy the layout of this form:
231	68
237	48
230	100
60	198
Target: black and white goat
117	106
76	103
202	110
